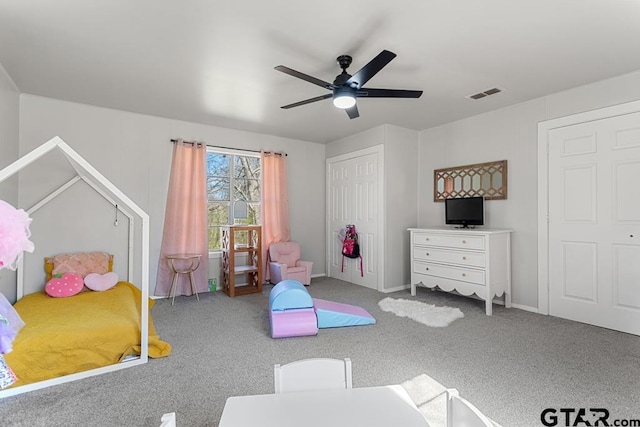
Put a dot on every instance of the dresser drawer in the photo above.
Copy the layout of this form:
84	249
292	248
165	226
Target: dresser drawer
469	259
450	241
448	272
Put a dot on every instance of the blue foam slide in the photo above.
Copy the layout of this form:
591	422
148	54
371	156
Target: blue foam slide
335	315
289	294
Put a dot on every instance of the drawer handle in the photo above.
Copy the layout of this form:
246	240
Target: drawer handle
427	253
464	275
427	239
464	241
426	268
464	257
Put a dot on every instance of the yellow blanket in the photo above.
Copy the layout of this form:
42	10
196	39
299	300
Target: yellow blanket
86	331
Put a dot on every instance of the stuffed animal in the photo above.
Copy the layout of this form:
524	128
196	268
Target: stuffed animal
14	235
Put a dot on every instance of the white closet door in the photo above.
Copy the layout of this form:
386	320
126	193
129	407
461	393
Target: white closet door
594	223
353	185
340	191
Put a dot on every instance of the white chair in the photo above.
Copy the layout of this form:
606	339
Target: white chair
313	374
168	420
461	413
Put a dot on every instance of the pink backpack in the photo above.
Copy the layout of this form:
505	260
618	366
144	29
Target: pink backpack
350	246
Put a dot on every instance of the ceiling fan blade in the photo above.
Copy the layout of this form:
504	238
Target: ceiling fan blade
371	69
353	112
388	93
307	101
305	77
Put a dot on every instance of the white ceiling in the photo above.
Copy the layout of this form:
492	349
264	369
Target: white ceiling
212	61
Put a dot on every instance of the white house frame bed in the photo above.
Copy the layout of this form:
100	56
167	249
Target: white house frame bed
87	173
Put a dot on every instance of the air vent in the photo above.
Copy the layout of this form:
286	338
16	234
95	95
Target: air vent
486	93
477	96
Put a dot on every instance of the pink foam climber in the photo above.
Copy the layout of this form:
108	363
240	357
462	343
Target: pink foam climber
293	313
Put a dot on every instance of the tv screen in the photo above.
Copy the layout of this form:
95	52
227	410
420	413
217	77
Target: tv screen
464	212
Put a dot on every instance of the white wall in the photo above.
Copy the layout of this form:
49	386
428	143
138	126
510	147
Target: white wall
358	141
134	152
511	133
400	189
9	116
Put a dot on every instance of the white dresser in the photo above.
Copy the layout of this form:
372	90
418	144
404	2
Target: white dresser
469	261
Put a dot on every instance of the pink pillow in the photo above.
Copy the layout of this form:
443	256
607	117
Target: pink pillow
81	263
100	282
64	285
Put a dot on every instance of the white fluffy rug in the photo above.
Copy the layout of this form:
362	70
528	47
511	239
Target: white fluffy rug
428	314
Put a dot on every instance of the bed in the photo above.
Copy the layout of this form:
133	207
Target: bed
134	267
88	330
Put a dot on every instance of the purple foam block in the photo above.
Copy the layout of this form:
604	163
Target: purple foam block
293	323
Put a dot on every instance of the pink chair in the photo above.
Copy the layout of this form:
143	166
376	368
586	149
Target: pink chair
285	263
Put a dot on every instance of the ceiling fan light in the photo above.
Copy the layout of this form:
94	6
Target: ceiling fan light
344	100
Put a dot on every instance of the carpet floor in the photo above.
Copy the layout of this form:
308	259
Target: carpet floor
511	365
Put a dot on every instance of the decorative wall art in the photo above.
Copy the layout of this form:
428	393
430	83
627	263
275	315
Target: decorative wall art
488	180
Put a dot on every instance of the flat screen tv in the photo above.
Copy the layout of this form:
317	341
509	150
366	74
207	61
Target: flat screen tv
465	212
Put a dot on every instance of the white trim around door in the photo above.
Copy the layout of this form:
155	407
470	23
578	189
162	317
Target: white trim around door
543	185
381	206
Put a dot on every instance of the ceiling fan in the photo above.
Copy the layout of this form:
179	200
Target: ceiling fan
346	87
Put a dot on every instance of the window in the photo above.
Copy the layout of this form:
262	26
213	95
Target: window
231	177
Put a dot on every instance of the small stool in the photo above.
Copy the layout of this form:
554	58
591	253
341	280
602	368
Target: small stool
194	263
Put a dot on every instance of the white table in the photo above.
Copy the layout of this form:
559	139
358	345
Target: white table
368	406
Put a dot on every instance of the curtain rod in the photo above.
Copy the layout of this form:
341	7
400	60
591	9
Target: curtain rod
231	148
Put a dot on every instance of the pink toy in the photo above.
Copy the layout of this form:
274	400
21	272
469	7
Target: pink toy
293	323
14	235
294	313
10	325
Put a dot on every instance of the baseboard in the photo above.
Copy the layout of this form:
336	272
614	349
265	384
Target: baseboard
199	293
525	308
405	287
396	289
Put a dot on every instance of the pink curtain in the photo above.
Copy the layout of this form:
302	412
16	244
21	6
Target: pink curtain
275	203
185	220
